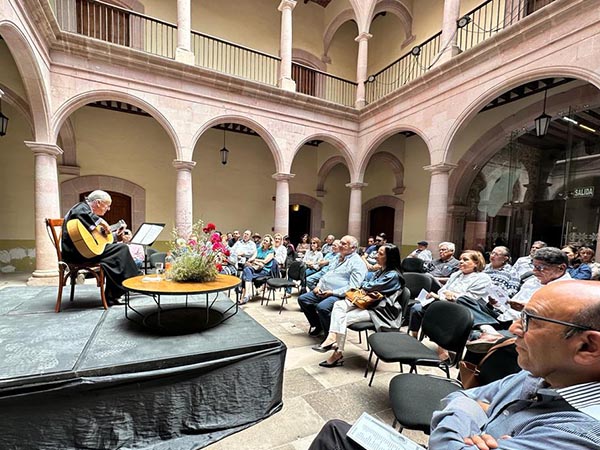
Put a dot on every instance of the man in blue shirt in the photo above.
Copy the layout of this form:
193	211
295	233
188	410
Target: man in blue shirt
348	273
553	403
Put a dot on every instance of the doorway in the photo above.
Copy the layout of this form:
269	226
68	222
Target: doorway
381	220
300	217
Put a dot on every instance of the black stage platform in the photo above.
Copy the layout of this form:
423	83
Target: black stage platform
87	378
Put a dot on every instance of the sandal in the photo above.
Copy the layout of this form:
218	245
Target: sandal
336	363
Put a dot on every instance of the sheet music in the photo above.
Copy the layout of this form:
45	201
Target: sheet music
422	298
147	233
373	434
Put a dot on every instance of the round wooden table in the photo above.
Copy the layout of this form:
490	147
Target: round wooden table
168	318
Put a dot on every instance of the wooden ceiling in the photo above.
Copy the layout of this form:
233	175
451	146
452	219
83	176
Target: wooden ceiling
322	3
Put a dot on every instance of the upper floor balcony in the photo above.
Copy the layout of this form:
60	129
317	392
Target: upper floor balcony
115	24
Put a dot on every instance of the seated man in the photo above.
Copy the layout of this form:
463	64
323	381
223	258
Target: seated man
524	264
446	264
348	273
326	248
553	403
244	248
116	260
422	252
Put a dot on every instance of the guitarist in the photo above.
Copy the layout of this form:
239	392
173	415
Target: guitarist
116	260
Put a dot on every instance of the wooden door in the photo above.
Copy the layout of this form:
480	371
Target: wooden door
305	79
381	220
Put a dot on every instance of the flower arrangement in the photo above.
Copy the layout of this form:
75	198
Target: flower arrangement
198	258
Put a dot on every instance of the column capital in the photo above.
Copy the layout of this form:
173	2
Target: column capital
287	4
282	176
1	93
180	164
42	148
439	168
356	186
363	36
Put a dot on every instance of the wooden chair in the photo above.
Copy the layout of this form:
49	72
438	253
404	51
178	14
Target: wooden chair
69	271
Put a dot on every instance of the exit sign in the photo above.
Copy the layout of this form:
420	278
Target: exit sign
583	192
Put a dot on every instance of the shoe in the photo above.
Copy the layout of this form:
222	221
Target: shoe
483	344
244	300
80	279
336	363
114	302
325	349
315	331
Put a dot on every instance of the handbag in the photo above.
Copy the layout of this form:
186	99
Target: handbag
469	372
362	299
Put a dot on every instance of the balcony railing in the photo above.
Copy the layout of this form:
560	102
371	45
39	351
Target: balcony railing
227	57
407	68
491	17
323	85
117	25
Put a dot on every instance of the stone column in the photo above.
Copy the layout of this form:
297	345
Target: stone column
449	30
183	196
183	53
437	209
285	47
355	212
361	68
282	201
46	205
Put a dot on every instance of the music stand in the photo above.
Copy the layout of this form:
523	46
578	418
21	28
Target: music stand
145	236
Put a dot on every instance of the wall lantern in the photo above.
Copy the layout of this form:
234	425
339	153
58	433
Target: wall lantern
3	121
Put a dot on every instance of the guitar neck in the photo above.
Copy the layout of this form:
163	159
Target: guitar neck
120	224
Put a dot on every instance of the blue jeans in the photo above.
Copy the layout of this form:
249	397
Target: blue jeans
317	309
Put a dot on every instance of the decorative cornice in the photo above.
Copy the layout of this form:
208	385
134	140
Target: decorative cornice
363	36
356	185
69	170
287	4
440	168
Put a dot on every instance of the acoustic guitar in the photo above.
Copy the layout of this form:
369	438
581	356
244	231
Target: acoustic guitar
91	243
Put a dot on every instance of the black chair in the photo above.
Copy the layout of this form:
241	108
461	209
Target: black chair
149	252
413	265
414	398
366	325
296	271
445	323
157	257
415	282
261	281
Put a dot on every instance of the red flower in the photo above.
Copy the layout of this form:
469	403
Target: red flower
209	227
215	239
219	267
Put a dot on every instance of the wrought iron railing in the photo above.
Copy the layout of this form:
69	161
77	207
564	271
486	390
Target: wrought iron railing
117	25
323	85
234	59
407	68
491	17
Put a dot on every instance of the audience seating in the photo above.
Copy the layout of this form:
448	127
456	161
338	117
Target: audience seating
445	323
367	325
296	271
414	398
69	271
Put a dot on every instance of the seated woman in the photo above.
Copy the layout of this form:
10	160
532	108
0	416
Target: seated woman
586	254
313	256
257	266
577	269
469	281
385	314
303	246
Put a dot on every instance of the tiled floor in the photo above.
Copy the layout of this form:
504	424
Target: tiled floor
312	394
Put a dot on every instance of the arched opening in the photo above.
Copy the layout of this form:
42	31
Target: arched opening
300	221
381	220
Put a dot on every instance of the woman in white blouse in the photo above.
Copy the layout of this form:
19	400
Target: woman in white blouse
313	256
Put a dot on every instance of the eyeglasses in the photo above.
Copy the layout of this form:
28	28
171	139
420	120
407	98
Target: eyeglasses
444	250
543	267
526	316
378	240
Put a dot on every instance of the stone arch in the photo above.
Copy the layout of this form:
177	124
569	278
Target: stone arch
316	207
308	59
32	78
333	26
385	134
324	171
82	99
384	200
488	93
399	10
495	138
70	190
68	144
265	135
337	143
17	102
396	166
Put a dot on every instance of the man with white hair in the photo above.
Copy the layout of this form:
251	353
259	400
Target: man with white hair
446	264
349	272
116	260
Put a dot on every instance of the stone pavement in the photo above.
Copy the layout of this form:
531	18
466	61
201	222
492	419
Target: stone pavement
312	394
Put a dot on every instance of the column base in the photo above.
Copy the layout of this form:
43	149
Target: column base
185	56
287	84
43	278
449	53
